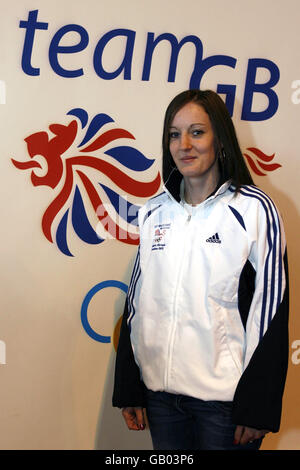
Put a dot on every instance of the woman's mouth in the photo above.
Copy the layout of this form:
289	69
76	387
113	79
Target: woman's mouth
188	159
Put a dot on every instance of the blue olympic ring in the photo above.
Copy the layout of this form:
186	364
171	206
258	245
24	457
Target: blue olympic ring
84	308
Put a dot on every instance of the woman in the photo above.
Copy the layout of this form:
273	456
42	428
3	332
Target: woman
204	339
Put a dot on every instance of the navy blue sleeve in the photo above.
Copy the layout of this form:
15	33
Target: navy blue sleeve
129	390
258	396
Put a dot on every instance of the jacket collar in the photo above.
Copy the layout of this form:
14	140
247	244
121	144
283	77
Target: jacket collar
175	180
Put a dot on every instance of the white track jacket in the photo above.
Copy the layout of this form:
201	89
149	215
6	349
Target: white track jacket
207	305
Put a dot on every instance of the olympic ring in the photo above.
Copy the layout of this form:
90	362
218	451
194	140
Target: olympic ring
84	308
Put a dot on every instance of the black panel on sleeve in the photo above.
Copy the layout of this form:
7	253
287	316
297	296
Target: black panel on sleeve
246	291
129	390
258	396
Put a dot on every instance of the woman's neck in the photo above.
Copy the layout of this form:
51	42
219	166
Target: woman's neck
196	189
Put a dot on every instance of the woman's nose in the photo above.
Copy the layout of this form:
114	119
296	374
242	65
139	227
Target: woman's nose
185	142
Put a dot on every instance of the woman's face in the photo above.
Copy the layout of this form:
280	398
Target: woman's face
192	142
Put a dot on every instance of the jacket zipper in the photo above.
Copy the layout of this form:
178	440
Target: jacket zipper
174	319
222	189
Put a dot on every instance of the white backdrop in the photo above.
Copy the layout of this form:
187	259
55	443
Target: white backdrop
60	56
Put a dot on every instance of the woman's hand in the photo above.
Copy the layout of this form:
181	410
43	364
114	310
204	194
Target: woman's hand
244	434
134	418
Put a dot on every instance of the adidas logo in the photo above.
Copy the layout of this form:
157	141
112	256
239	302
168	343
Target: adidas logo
214	239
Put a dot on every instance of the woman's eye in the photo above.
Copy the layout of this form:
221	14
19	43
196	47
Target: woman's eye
197	132
174	135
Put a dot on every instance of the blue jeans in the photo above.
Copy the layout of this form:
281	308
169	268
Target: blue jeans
179	422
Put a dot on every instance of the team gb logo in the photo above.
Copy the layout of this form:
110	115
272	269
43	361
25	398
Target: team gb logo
89	188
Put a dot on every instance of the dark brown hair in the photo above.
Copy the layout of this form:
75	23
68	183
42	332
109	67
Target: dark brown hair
231	161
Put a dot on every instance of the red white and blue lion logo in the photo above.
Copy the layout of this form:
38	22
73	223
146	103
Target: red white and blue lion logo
79	180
